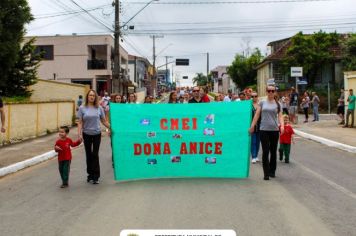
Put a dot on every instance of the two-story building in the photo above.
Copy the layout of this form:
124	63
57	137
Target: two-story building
82	59
270	69
222	80
140	74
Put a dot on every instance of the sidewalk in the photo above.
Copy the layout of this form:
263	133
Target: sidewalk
328	128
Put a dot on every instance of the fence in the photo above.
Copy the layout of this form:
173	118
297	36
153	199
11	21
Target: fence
28	120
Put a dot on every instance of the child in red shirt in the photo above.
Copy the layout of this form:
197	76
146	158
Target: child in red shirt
285	140
62	146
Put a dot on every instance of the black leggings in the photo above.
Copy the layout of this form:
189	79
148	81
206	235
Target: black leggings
92	144
306	109
269	141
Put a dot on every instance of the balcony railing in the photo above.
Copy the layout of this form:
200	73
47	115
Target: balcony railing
97	64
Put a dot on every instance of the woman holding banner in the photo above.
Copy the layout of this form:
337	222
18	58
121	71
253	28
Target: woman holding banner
255	136
270	113
90	115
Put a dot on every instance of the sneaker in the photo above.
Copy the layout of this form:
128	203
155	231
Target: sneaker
95	181
286	161
257	160
253	160
342	123
345	126
272	175
266	178
64	186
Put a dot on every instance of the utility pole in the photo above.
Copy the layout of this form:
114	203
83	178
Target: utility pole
116	68
166	69
207	69
154	63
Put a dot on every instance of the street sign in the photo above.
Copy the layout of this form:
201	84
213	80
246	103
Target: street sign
182	62
185	77
296	71
302	82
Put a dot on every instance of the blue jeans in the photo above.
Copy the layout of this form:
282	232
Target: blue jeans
316	113
255	144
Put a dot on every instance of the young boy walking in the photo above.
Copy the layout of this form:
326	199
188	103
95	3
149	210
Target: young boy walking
285	140
62	146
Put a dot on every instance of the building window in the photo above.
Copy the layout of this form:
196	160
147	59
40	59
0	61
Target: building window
46	51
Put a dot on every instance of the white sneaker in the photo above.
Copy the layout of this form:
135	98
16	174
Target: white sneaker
257	160
253	160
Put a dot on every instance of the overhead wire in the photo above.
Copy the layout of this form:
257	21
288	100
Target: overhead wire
91	16
229	2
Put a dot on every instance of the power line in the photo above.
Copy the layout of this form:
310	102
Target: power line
58	14
230	2
93	17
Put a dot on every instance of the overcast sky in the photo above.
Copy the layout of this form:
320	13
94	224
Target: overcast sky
197	27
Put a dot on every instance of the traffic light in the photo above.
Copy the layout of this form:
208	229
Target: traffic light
182	62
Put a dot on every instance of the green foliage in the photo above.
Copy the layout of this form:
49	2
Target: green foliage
15	99
310	52
349	50
243	69
13	16
200	79
24	72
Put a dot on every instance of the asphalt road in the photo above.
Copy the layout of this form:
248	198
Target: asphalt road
313	195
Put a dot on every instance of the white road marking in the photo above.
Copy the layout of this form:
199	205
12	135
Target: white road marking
328	181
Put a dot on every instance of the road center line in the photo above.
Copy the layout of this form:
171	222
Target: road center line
327	181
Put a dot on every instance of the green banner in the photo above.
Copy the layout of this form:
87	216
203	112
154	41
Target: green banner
181	140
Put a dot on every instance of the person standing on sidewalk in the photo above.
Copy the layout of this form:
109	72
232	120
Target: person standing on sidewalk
255	136
315	101
89	130
341	107
293	106
62	146
2	116
350	109
305	105
270	112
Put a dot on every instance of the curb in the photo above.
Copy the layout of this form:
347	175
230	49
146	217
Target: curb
326	142
27	163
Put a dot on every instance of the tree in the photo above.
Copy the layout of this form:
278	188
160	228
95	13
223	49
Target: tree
24	72
14	14
200	79
243	69
349	51
310	52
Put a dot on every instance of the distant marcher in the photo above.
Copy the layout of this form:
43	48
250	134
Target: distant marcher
186	97
229	96
270	113
285	140
315	101
293	105
204	95
172	97
341	107
79	102
181	100
2	116
62	146
104	103
217	98
132	98
196	96
305	106
284	105
242	96
124	99
350	109
90	115
255	136
148	99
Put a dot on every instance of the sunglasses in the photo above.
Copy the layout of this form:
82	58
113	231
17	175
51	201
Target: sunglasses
195	91
271	91
254	96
